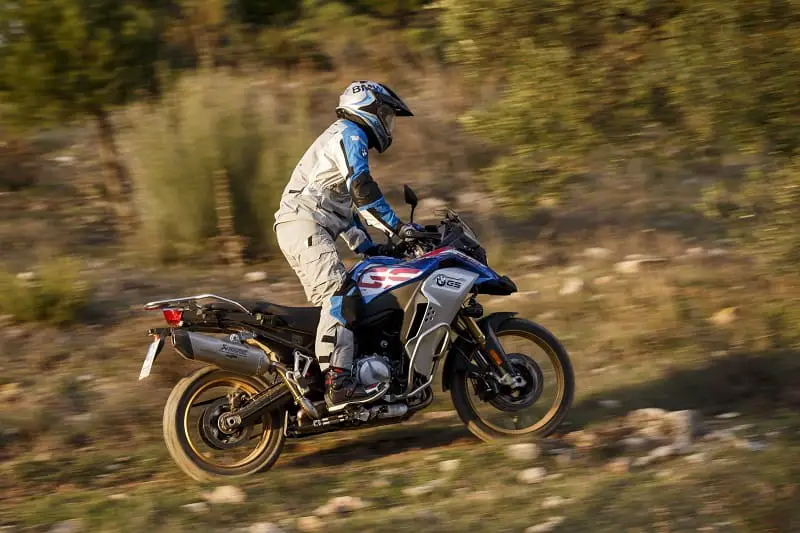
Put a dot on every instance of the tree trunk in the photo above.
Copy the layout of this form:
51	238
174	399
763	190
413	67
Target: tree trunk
117	180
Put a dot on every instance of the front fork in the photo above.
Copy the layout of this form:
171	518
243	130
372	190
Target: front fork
496	361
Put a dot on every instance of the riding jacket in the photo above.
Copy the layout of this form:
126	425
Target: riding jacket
332	186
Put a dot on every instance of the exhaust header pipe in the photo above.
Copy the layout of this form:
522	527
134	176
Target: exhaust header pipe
226	355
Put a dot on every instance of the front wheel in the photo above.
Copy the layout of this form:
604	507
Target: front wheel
537	408
193	435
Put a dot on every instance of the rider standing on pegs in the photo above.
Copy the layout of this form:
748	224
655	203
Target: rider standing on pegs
330	187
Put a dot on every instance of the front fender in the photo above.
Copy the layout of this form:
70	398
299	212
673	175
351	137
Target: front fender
458	355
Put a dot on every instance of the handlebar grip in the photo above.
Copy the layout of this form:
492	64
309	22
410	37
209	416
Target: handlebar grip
414	234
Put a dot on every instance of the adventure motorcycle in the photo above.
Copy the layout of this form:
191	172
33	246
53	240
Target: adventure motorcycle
419	309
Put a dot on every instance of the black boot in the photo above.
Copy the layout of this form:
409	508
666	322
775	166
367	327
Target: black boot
341	387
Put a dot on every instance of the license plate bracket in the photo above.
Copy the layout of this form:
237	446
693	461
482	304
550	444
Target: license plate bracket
152	352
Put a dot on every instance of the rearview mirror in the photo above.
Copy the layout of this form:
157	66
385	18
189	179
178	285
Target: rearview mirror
411	196
411	199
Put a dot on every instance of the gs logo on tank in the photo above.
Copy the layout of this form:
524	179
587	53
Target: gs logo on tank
448	283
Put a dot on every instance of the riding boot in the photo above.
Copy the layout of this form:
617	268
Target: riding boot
342	387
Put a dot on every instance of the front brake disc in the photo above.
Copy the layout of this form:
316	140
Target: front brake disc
512	400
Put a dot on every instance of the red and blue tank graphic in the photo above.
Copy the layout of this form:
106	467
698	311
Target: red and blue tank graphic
378	275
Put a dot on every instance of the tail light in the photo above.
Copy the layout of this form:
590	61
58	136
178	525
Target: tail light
173	316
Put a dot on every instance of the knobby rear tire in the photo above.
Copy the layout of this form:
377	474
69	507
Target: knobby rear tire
178	442
478	427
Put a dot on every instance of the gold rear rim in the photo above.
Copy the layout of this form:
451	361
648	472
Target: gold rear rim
195	441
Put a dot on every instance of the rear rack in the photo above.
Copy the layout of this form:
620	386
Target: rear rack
187	300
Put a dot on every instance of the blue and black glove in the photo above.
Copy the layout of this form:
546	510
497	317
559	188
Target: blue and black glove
408	228
379	249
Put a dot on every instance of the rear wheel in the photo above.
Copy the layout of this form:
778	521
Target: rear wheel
494	411
195	439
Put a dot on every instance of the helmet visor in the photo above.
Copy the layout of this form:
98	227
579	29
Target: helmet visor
386	115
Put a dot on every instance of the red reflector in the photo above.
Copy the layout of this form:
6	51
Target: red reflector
173	316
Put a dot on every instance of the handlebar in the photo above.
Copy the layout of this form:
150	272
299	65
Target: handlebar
411	233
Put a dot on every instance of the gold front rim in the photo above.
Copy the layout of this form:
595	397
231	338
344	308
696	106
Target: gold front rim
560	385
235	384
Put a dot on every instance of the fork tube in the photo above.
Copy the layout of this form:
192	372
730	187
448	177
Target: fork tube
475	330
495	355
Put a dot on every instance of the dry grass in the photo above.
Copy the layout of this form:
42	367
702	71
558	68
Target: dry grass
54	293
210	123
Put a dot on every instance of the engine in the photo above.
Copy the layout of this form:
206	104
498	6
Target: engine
381	358
373	369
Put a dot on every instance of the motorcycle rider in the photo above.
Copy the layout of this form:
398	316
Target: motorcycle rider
329	189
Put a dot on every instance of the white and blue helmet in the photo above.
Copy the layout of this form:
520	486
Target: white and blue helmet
374	107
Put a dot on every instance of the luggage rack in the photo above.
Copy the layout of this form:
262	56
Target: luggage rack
172	302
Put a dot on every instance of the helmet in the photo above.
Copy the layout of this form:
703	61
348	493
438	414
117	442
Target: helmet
373	106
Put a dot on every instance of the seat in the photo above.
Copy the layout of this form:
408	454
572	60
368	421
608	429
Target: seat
300	318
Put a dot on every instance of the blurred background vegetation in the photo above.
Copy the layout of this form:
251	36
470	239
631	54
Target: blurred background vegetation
540	99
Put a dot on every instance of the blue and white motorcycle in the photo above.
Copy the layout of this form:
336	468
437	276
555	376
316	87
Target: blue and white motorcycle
507	376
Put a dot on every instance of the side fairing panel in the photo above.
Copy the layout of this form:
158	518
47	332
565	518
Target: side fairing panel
445	291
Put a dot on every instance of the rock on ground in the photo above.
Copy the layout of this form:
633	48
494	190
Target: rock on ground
421	490
341	505
531	475
73	525
255	277
264	527
697	458
728	416
450	465
549	525
656	455
725	317
634	444
633	263
532	260
225	494
571	286
553	501
597	252
609	404
309	523
523	451
583	439
603	280
196	507
26	277
627	267
686	427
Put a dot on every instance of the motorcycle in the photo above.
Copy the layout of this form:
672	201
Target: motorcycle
419	310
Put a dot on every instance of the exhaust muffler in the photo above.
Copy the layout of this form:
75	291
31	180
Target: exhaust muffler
226	355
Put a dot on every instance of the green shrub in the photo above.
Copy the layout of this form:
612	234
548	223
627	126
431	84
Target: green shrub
56	294
558	82
760	213
211	125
